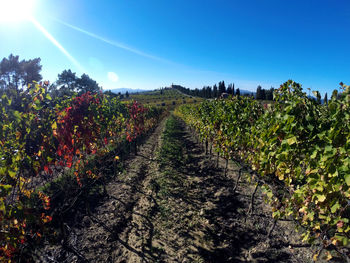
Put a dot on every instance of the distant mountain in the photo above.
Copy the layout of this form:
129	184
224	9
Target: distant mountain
243	91
124	90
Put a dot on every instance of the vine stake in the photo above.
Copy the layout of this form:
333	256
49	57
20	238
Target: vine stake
251	207
237	180
226	167
272	228
217	160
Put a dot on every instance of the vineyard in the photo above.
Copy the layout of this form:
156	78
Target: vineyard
174	131
296	150
96	178
166	98
43	139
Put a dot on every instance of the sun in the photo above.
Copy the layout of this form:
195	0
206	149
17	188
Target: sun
16	10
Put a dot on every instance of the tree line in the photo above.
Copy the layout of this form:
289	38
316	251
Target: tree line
220	89
217	91
264	94
16	74
209	92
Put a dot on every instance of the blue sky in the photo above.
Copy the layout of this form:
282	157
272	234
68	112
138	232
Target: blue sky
150	44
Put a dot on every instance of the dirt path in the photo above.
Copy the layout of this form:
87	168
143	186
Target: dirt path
188	212
173	205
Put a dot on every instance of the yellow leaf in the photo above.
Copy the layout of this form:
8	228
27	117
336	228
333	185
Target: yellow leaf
334	241
329	256
321	198
54	126
12	173
292	140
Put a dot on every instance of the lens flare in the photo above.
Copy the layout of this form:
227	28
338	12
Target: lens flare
57	44
115	43
112	76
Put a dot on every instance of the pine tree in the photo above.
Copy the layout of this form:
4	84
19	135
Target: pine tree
258	93
222	87
215	91
229	89
16	74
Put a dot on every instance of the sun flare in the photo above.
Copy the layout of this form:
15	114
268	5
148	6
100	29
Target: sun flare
16	10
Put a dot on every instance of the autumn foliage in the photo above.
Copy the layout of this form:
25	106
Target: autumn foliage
39	136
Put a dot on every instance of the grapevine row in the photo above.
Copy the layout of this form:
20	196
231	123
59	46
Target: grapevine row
296	144
40	136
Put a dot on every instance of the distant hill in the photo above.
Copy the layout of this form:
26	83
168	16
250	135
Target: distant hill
124	90
243	91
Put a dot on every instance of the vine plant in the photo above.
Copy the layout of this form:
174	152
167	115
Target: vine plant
298	148
38	135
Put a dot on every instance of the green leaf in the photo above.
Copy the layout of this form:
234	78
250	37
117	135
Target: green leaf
17	115
335	207
347	179
321	198
310	127
2	206
292	140
314	154
328	148
5	189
